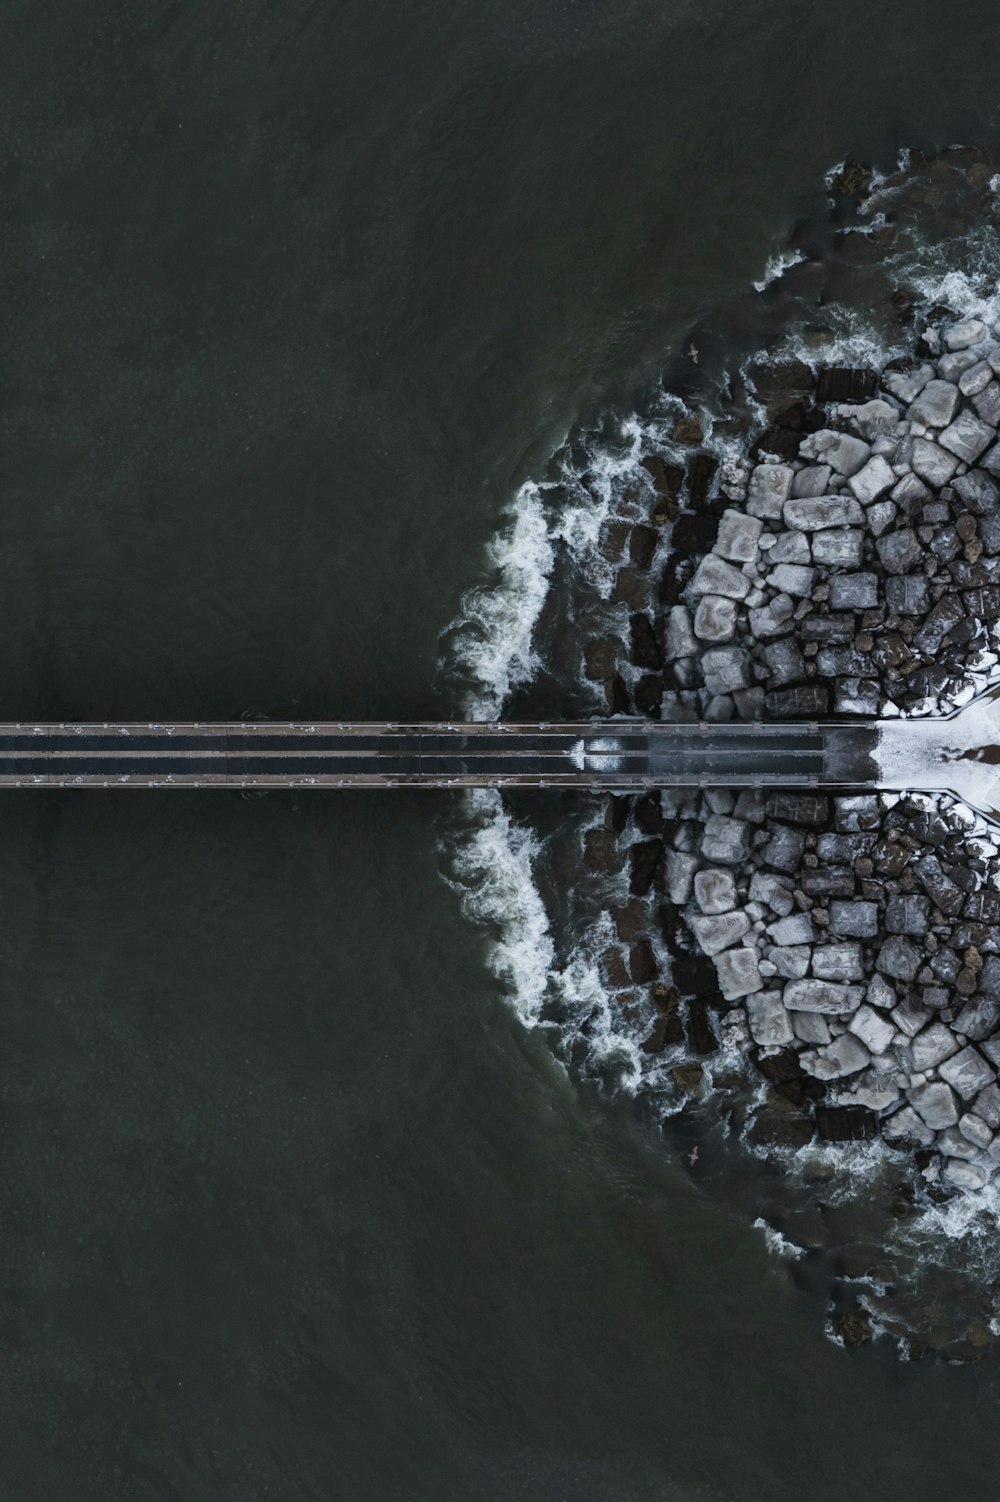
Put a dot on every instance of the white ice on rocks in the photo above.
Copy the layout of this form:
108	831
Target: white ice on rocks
960	754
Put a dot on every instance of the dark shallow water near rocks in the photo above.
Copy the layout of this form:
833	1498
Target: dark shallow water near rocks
292	298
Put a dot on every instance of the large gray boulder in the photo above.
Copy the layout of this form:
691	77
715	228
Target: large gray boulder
738	537
770	1025
829	997
932	463
967	437
874	480
770	486
714	576
717	932
817	513
725	841
838	962
935	1104
715	890
840	451
936	405
715	618
739	976
968	1072
899	958
726	668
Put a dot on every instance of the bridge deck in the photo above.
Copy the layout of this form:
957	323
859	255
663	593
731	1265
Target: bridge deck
596	754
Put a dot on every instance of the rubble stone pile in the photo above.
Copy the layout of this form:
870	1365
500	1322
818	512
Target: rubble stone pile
847	948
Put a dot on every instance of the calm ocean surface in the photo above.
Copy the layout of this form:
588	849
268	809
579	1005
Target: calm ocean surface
292	297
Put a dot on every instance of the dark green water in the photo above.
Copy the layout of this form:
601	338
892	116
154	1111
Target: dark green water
292	296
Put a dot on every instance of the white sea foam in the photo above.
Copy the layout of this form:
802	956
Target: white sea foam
491	864
777	265
779	1246
493	637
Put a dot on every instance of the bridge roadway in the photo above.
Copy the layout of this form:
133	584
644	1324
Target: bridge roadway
594	754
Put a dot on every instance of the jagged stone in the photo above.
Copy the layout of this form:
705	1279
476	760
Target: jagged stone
715	618
936	405
739	976
842	452
725	669
725	840
680	637
962	335
790	961
932	463
858	920
768	889
792	579
838	962
828	997
680	869
873	481
714	576
770	1025
932	1046
845	1055
838	548
908	595
819	513
899	958
715	890
967	437
795	929
875	1031
905	1126
935	1104
813	480
907	384
770	486
899	551
968	1072
853	591
738	537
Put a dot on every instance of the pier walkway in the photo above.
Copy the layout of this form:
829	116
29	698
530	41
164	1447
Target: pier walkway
595	754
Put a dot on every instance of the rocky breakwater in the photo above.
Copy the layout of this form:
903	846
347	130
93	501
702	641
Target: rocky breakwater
849	565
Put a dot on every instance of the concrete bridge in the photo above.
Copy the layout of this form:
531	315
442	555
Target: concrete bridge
960	754
594	753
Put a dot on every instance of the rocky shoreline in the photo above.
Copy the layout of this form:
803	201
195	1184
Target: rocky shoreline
815	534
850	567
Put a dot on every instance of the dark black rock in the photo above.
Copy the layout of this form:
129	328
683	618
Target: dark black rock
649	813
804	702
701	1035
645	857
798	808
771	1128
846	1124
642	962
845	384
645	650
648	695
642	545
701	472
